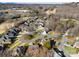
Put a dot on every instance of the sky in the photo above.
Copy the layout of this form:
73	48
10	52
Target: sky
38	1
